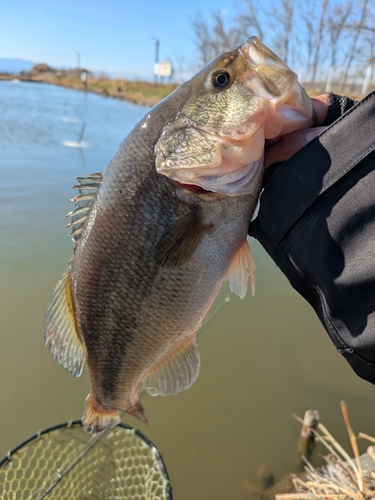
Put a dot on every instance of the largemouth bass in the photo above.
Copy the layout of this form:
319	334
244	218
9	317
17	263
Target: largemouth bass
160	231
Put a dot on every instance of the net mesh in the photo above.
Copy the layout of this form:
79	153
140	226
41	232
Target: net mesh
67	463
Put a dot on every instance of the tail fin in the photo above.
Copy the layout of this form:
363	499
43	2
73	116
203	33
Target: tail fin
96	419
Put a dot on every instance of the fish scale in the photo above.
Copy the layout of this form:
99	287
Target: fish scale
166	225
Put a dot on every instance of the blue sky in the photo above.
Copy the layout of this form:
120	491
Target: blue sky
110	35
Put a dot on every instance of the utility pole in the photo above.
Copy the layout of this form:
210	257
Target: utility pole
157	43
78	60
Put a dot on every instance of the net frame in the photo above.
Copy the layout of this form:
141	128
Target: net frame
81	453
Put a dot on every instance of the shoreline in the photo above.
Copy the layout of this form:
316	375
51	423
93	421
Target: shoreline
136	92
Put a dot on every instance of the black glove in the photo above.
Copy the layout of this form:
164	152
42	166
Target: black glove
337	106
317	221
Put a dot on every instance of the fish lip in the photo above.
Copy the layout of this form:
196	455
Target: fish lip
194	188
247	49
238	182
257	54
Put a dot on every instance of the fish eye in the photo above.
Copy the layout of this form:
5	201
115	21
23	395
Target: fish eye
220	79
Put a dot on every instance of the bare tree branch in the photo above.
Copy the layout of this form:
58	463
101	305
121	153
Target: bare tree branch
318	33
249	21
216	39
351	54
319	37
281	25
337	23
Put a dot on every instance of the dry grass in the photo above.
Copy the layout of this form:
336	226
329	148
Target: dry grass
353	95
144	93
342	478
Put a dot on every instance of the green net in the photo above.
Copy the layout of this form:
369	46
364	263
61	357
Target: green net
65	462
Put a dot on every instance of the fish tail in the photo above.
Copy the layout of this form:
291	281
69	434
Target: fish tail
96	419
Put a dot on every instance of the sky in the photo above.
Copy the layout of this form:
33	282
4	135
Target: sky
114	36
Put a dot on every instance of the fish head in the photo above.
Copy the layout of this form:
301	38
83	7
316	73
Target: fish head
216	139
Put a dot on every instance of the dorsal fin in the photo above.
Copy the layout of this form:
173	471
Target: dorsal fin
88	189
176	372
60	329
241	269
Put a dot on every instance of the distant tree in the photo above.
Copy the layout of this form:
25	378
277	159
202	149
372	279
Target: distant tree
357	32
212	40
315	19
281	21
39	68
337	24
317	34
249	20
369	32
215	36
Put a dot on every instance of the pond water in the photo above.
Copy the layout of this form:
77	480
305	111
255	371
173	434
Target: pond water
263	358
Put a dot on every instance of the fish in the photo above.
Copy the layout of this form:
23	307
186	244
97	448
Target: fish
158	233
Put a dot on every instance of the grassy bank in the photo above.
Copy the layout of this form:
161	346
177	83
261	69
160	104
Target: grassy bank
143	93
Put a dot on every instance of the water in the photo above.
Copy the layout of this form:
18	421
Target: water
262	358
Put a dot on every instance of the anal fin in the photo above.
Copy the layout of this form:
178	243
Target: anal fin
60	329
138	411
241	269
176	372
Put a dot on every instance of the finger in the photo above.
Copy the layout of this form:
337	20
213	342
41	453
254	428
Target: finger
320	104
289	144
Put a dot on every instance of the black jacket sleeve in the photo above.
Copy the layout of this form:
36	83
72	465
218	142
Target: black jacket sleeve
317	221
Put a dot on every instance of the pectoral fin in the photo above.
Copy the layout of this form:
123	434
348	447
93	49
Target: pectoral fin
60	328
179	242
241	269
176	372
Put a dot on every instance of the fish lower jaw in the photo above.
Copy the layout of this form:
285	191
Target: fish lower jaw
244	180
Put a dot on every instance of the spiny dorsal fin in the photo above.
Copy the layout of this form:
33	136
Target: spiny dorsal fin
176	372
241	269
60	329
88	189
180	240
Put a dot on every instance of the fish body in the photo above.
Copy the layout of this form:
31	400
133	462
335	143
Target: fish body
159	232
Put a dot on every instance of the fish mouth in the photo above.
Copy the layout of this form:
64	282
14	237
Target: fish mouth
270	77
194	188
256	54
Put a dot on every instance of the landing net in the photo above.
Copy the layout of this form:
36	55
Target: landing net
65	462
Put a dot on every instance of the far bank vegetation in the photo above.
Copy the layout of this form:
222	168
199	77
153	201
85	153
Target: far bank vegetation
144	93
